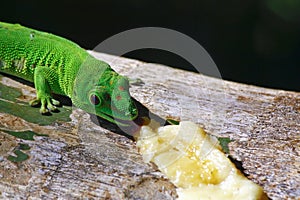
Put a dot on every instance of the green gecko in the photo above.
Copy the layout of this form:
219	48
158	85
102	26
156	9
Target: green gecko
57	65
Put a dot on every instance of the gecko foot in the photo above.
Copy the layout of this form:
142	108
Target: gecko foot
47	105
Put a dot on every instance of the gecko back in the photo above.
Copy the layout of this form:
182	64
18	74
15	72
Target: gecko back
22	50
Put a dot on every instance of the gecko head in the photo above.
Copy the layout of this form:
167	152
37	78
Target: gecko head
113	99
108	97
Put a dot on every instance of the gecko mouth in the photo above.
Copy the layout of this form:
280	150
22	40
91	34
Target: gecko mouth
122	120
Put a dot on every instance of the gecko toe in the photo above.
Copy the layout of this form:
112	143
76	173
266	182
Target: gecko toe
52	108
35	103
55	102
44	111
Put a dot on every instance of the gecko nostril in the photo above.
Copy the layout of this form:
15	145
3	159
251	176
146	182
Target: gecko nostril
106	96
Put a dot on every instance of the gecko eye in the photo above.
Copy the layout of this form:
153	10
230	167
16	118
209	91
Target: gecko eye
94	99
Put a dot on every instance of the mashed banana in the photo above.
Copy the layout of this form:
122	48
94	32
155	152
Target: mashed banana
195	163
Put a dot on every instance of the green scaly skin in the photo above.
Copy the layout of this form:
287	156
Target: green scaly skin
57	65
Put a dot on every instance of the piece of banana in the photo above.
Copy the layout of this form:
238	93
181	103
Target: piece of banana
195	163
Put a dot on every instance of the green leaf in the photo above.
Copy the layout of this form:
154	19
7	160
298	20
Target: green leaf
24	146
224	144
25	135
10	103
20	156
173	121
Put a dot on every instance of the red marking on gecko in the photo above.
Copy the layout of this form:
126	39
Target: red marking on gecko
121	88
118	97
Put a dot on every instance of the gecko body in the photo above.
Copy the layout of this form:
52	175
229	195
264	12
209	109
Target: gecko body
57	65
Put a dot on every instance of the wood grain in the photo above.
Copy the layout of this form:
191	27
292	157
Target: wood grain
80	159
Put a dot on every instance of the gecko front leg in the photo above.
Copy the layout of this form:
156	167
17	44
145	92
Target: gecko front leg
44	81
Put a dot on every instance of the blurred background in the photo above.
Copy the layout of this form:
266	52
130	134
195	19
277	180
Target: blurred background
251	41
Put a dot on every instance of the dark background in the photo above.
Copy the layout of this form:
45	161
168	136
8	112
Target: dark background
251	41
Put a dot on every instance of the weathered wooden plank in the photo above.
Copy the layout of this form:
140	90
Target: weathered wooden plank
79	159
264	123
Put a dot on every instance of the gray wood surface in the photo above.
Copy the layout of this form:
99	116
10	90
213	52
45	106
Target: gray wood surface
79	159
